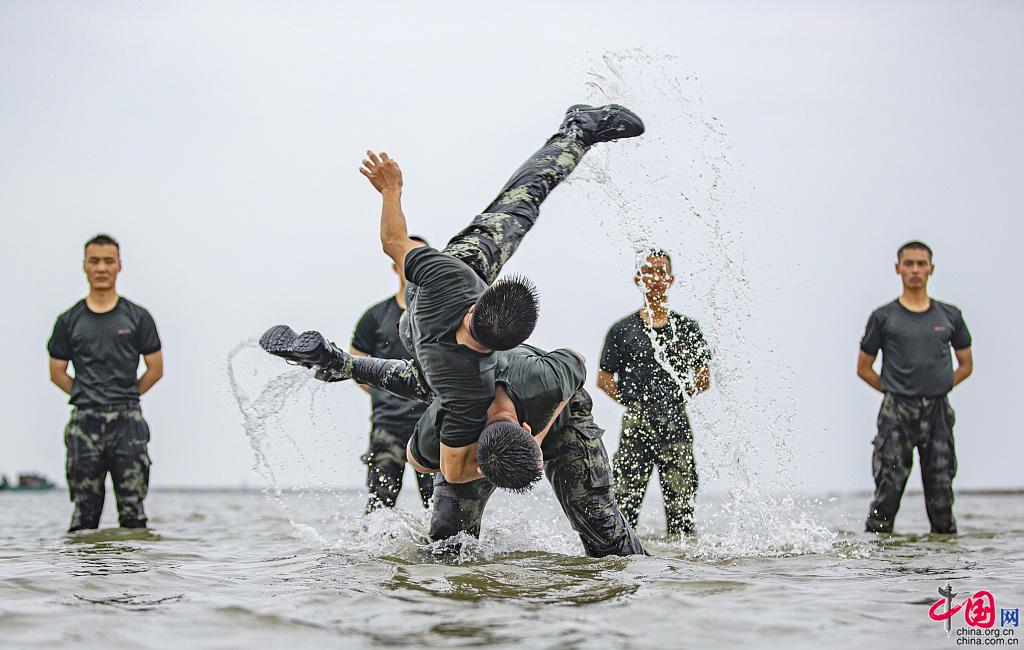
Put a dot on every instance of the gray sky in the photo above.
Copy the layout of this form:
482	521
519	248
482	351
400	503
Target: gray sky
219	142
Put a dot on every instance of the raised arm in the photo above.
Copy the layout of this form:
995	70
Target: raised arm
385	175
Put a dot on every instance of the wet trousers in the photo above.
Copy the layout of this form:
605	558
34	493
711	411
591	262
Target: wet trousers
650	441
495	234
903	424
110	439
385	469
576	464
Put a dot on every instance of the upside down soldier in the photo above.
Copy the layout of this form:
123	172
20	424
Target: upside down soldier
458	312
542	390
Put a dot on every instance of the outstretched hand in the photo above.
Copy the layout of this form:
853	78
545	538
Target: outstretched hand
383	172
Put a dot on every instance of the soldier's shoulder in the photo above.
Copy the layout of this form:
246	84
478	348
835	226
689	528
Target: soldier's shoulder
882	312
626	322
947	307
72	311
381	307
685	320
132	307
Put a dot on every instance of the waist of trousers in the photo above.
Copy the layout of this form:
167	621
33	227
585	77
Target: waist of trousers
917	399
109	408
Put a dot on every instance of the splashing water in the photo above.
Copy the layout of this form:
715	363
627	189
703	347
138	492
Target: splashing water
266	422
673	190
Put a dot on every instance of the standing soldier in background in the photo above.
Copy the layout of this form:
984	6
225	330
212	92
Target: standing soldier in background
104	335
915	334
656	432
393	418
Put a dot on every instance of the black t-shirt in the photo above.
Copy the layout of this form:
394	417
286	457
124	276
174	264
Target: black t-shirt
105	350
536	381
376	334
439	292
916	359
641	381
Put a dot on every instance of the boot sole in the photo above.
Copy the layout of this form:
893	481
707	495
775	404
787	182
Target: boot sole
307	342
277	339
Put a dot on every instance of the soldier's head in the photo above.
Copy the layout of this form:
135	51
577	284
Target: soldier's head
401	271
505	315
102	262
508	456
914	264
506	452
654	274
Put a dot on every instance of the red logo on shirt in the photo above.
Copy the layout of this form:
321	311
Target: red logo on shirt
939	328
123	330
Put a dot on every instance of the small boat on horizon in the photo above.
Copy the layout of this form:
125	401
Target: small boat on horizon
27	481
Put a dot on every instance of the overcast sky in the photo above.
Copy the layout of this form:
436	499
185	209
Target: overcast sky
791	148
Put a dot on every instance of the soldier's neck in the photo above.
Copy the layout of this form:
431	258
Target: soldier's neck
101	301
916	299
655	311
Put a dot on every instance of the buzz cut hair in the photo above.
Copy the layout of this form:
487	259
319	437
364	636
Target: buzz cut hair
915	245
509	457
103	240
506	313
656	252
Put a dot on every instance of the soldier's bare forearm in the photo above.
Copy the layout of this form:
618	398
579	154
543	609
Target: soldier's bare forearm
63	381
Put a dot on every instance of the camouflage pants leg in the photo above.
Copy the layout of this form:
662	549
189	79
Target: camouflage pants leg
938	463
905	423
129	467
385	469
493	236
100	441
85	468
632	466
576	464
677	473
458	507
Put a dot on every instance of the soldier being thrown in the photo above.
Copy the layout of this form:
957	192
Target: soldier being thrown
458	312
915	333
104	335
542	390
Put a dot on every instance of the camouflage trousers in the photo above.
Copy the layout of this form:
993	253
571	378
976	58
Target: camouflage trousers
576	465
493	236
101	440
905	423
385	469
651	440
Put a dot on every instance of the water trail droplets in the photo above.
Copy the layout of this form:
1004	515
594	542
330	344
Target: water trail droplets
673	189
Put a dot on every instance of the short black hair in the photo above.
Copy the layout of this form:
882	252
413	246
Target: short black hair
103	240
506	313
419	239
919	245
658	252
508	456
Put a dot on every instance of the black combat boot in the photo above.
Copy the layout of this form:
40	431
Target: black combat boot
601	124
309	349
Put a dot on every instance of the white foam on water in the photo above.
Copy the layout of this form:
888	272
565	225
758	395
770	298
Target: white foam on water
675	189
